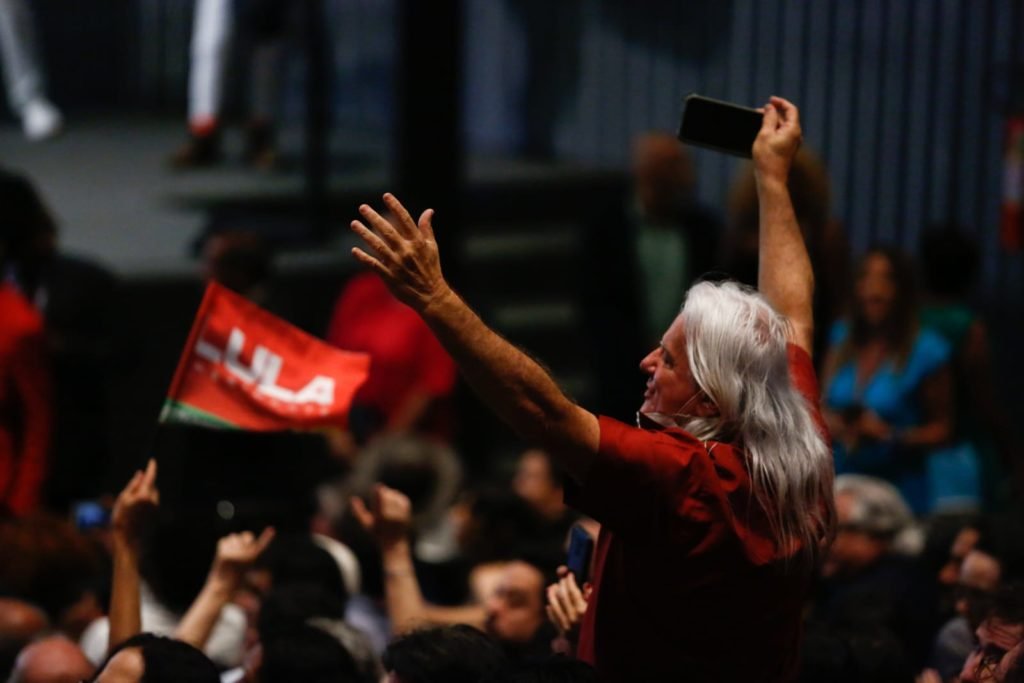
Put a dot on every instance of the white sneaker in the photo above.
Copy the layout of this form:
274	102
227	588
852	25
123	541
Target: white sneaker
41	120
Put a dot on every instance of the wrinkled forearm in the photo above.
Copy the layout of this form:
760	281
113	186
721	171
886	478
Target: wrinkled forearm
512	384
785	276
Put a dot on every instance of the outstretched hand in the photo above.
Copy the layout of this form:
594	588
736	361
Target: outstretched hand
135	505
779	139
404	252
388	517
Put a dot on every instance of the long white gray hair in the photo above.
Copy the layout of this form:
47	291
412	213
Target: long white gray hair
736	349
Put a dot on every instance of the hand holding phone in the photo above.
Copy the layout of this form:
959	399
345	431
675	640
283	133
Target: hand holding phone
720	126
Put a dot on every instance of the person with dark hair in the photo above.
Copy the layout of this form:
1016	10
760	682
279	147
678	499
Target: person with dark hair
1000	638
716	507
888	388
77	302
445	654
511	611
950	263
307	654
148	658
25	396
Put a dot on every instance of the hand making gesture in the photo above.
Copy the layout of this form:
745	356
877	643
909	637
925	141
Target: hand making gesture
135	506
404	252
388	517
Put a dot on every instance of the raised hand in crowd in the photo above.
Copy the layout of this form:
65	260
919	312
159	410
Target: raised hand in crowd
567	603
133	510
388	518
235	554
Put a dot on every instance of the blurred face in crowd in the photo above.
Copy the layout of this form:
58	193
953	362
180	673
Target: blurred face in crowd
979	578
876	289
671	388
662	174
127	666
999	646
965	540
536	484
516	610
853	549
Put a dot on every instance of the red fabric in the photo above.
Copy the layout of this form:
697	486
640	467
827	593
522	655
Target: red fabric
687	583
407	358
25	403
243	367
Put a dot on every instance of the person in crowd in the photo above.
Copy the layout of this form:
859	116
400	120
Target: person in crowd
20	622
538	482
1000	638
993	558
412	379
23	73
853	653
823	234
888	386
950	264
48	564
642	255
148	658
871	576
715	510
54	659
308	654
454	654
166	563
213	31
25	403
511	610
78	302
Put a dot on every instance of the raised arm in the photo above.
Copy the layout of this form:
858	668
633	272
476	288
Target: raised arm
235	554
387	519
514	386
135	504
784	274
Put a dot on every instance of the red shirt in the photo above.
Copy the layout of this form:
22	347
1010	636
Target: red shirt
25	410
687	582
405	355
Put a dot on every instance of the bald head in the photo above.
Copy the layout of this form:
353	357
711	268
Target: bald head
20	621
51	660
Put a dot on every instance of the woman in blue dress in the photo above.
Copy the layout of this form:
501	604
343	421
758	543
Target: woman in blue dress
888	386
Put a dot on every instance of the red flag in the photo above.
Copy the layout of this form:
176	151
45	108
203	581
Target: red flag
244	368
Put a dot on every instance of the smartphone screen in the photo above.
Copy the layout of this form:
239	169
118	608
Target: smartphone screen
581	549
718	125
90	514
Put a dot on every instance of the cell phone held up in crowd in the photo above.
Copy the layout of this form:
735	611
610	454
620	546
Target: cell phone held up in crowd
90	514
581	549
718	125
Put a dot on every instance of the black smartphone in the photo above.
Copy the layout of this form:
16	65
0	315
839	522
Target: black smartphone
581	549
718	125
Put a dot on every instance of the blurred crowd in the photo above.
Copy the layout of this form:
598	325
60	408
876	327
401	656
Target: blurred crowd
406	569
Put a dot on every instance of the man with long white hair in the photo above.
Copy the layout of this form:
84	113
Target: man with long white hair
715	509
